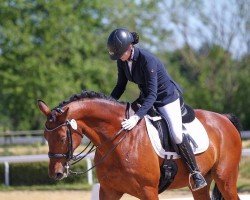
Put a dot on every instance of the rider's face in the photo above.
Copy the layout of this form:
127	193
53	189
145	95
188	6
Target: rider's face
126	54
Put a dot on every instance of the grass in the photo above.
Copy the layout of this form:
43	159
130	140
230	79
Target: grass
75	186
38	148
16	150
246	144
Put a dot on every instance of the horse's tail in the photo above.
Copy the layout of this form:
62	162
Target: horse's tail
235	121
216	194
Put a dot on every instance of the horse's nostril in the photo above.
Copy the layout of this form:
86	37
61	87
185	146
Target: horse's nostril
59	175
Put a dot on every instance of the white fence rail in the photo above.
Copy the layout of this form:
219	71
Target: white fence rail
38	158
245	152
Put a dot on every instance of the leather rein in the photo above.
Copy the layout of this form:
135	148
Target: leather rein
72	159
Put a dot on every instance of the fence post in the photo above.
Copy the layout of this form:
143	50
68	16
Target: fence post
95	192
6	173
90	173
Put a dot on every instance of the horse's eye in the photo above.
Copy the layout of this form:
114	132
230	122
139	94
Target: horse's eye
63	139
50	118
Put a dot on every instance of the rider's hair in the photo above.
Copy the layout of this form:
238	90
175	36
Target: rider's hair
135	37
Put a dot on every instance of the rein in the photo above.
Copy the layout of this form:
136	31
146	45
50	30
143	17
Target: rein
104	157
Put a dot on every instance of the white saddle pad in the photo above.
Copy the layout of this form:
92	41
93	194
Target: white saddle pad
195	129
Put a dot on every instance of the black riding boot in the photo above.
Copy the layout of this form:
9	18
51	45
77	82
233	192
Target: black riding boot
187	156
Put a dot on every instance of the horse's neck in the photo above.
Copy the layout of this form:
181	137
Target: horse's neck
101	119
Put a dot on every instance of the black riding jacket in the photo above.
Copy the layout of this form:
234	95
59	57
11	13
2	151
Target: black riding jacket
156	86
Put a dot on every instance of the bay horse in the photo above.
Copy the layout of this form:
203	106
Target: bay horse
125	160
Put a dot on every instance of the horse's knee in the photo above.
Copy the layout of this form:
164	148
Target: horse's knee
202	194
150	193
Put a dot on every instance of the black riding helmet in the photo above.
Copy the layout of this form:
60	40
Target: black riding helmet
118	42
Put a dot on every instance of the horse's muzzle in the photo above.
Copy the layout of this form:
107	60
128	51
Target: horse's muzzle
59	175
58	172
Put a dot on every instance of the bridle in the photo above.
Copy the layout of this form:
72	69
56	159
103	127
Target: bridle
73	159
69	154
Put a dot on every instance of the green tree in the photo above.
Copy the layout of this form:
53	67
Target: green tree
240	103
212	79
53	49
44	46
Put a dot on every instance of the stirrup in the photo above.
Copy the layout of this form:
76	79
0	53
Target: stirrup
203	179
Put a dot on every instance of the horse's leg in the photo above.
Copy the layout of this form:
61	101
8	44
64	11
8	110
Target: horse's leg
225	172
226	180
109	194
203	194
150	193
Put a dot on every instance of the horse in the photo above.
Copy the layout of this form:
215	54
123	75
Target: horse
125	161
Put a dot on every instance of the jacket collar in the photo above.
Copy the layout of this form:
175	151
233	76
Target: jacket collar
136	54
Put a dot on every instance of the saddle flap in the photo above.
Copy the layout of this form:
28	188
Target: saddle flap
195	129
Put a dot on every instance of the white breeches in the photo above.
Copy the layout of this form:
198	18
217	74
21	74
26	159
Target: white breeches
172	112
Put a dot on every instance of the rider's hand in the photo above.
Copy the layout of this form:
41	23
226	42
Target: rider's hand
128	124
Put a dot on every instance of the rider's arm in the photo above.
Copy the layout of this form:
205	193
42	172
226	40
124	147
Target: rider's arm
121	83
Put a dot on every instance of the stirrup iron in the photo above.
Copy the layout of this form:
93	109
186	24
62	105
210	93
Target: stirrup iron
193	186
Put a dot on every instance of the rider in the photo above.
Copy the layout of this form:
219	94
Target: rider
157	89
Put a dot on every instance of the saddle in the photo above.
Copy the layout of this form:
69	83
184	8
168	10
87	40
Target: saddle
169	167
162	127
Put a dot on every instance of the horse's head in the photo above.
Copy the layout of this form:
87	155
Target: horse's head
93	114
62	136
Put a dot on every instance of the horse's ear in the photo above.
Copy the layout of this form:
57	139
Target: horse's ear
66	111
43	107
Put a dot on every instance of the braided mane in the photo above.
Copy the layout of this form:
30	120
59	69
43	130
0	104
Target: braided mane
87	94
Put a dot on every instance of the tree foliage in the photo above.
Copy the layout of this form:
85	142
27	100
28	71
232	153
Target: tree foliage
52	49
